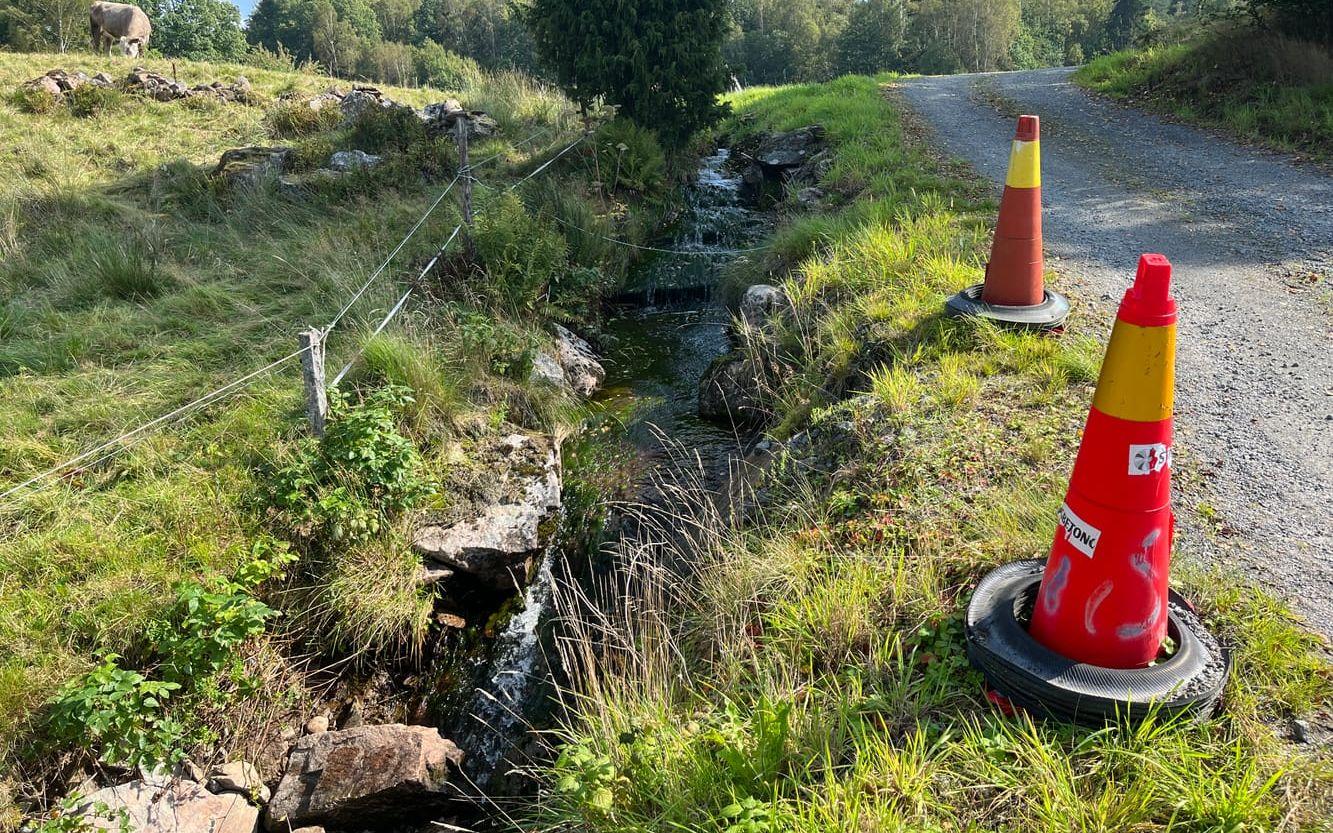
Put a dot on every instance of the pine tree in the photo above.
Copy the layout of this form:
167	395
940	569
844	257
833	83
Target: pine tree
659	61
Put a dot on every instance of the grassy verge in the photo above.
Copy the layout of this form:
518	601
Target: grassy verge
804	670
132	282
1262	87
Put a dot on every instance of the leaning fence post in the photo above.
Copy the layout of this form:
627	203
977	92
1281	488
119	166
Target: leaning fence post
312	373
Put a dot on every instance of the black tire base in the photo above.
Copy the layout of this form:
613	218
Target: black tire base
1050	314
1032	676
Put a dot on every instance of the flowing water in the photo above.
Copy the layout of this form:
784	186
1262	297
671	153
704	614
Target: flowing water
656	355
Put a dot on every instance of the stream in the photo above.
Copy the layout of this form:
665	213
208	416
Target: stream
655	353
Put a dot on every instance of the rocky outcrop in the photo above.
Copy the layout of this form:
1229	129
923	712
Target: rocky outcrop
370	775
251	166
580	363
761	305
782	160
495	545
443	118
175	806
161	88
57	82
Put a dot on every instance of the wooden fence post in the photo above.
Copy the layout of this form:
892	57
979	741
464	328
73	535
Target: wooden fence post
464	170
312	373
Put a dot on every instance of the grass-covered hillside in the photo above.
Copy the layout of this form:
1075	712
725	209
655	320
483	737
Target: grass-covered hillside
1264	87
133	282
800	666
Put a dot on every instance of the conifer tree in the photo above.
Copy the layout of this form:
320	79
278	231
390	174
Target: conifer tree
659	61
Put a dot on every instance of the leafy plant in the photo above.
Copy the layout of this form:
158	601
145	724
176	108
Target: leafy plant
122	712
364	470
522	254
586	779
73	815
378	129
294	118
34	100
198	639
748	815
630	157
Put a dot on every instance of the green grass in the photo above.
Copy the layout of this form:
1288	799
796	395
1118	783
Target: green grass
130	283
803	669
1260	86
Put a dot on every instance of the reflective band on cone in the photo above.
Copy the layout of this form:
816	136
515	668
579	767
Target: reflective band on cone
1103	597
1014	272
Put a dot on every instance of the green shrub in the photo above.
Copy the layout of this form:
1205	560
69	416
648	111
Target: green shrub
521	253
34	100
90	100
630	157
438	67
122	713
383	129
498	346
311	153
293	118
345	487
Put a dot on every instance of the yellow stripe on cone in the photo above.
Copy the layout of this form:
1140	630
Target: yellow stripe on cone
1024	165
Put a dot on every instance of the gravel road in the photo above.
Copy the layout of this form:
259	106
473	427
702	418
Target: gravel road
1250	234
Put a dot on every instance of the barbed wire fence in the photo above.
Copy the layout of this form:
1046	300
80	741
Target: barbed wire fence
312	343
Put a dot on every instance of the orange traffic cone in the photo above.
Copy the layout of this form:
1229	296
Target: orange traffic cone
1103	597
1014	291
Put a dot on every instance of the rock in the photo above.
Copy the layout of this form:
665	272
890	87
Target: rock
547	371
729	391
299	186
1300	731
790	150
433	574
495	543
103	80
314	828
583	371
349	777
359	100
761	304
243	84
238	777
330	97
351	160
177	807
451	620
47	84
251	166
317	725
442	118
810	196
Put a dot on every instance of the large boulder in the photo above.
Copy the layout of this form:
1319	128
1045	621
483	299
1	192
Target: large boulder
368	775
352	160
792	149
174	806
729	391
576	357
250	166
495	545
761	305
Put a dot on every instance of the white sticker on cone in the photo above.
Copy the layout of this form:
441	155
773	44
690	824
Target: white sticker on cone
1078	532
1148	459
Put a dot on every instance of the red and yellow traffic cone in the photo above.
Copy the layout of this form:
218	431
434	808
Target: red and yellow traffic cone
1014	291
1103	597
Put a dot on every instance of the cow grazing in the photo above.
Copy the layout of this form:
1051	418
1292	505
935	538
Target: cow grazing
119	25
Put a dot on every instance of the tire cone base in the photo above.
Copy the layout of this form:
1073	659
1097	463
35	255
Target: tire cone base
1050	314
1032	677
